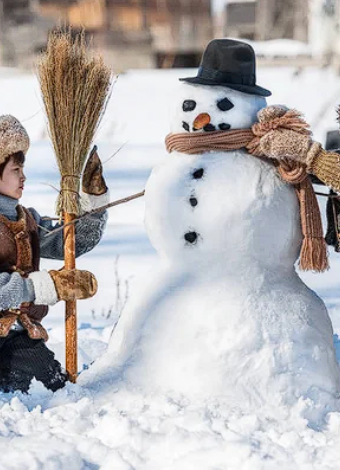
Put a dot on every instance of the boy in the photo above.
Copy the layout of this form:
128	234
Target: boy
26	292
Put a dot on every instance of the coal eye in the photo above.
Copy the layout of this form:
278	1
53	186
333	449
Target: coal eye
225	104
189	105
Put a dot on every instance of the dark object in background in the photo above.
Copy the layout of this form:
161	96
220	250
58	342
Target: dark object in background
332	143
315	180
332	140
333	221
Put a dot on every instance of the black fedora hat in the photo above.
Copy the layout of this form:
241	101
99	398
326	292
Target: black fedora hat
231	63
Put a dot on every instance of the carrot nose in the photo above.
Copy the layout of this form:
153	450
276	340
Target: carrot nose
201	120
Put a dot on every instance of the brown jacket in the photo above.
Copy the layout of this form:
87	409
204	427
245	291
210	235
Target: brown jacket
20	252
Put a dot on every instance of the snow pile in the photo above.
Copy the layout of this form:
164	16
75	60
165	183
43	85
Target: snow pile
127	430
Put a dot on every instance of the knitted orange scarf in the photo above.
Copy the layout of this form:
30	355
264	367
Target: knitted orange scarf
313	254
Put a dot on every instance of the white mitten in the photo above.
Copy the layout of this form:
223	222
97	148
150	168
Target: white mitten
89	202
44	288
94	192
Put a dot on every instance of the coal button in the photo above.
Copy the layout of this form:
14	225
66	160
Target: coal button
193	201
190	237
197	174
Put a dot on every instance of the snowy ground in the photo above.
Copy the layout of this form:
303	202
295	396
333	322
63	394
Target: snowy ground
113	428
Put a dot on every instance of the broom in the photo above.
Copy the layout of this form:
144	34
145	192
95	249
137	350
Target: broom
75	88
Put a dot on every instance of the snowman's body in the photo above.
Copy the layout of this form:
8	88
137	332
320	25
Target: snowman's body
226	315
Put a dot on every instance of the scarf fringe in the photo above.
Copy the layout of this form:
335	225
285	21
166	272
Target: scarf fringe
313	255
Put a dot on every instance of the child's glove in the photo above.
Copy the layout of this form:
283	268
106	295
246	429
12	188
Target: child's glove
67	284
94	192
285	143
283	134
280	143
74	284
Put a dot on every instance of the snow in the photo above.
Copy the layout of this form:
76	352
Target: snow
281	47
87	426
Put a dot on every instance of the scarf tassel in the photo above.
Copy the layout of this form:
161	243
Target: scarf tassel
313	255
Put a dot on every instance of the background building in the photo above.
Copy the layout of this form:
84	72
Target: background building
23	31
140	33
263	19
173	33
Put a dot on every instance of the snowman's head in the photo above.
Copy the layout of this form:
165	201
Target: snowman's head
202	108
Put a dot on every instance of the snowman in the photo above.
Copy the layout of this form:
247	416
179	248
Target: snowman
226	315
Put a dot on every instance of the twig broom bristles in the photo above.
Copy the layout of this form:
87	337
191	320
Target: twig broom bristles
75	89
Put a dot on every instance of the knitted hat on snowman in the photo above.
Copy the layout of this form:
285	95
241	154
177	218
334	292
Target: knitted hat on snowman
13	137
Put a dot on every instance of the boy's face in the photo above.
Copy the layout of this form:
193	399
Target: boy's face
13	179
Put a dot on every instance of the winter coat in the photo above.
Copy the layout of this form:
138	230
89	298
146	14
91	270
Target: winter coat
20	252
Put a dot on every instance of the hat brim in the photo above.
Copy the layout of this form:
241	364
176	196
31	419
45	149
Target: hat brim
250	89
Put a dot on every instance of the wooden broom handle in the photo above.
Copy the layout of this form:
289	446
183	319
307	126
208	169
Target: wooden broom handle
71	305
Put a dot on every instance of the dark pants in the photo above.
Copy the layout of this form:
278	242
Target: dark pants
22	358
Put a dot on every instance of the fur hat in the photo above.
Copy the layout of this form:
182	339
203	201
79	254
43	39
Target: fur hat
13	137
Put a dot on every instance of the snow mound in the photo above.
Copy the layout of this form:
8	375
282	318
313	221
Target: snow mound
124	429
